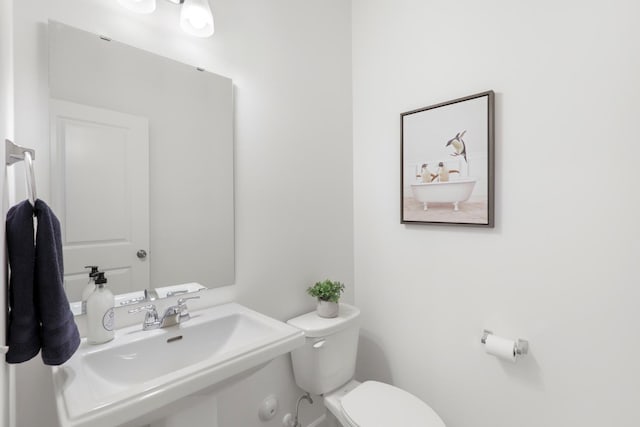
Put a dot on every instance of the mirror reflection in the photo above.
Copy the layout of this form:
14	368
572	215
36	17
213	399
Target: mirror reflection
141	167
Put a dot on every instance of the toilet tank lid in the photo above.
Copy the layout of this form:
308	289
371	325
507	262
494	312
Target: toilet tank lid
315	326
376	404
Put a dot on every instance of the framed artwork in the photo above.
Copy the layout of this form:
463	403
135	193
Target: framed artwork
447	163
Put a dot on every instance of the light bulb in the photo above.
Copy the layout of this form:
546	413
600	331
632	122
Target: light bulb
197	21
139	6
196	18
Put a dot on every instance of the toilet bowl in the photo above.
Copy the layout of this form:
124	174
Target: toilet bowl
325	366
376	404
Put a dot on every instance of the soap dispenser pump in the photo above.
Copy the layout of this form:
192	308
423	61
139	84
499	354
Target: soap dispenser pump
91	286
100	314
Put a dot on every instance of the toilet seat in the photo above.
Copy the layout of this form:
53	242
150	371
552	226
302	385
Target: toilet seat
376	404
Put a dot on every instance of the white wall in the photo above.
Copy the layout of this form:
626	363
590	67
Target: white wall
560	268
291	64
6	131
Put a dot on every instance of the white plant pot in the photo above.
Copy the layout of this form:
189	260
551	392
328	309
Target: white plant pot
327	309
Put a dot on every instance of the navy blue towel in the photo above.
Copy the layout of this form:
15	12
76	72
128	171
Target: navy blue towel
24	323
59	333
46	303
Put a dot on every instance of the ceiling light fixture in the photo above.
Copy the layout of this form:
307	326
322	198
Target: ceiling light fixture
196	18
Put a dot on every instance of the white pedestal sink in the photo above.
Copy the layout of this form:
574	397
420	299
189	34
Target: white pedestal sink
140	372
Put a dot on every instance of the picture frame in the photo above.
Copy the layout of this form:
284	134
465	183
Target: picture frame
447	159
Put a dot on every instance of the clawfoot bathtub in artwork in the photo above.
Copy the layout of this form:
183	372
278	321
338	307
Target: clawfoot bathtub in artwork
443	192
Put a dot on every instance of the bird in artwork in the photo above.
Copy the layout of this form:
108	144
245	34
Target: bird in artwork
458	145
443	172
426	175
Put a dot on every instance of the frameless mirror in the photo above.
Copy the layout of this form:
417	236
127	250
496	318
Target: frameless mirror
141	167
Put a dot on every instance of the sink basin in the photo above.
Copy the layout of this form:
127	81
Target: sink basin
140	372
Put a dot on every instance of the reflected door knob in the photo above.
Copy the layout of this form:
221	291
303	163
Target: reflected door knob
142	254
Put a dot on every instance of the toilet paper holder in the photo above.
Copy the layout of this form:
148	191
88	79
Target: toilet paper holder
520	348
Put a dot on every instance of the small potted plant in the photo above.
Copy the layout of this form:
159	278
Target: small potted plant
328	293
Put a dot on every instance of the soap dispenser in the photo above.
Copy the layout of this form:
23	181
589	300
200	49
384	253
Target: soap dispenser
100	314
91	286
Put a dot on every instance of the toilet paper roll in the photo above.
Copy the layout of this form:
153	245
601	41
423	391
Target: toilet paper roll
502	348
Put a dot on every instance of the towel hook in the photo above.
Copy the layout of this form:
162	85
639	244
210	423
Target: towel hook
15	153
31	178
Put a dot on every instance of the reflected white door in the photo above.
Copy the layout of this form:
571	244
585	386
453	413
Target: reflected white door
100	193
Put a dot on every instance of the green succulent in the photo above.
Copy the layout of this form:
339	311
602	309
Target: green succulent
326	290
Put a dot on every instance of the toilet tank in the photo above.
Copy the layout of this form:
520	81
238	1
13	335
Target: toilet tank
328	358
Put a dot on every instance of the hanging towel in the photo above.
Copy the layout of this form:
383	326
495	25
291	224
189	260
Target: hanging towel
40	316
23	333
59	333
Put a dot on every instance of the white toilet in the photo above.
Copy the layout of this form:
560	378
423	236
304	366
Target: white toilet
326	363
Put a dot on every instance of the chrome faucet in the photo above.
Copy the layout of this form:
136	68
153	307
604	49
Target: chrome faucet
172	315
150	295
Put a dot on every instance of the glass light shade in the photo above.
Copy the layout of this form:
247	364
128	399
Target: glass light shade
139	6
196	18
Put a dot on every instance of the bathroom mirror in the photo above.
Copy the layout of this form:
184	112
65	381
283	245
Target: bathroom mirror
141	166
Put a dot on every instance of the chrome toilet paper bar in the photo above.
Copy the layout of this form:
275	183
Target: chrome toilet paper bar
520	346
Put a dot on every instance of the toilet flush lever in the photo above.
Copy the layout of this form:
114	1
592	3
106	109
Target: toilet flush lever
319	344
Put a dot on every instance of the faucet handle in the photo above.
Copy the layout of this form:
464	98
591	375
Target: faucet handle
181	301
149	308
183	309
151	317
